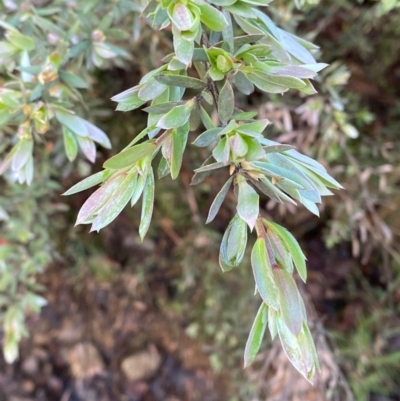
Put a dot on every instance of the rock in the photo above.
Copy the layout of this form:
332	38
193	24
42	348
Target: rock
141	365
85	361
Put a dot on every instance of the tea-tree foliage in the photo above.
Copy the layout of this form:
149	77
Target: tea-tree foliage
220	48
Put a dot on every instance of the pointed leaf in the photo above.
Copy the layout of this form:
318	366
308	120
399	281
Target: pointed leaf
151	89
88	147
181	81
130	156
289	299
226	102
256	335
207	137
99	198
139	188
147	205
72	80
182	17
248	204
273	322
22	154
183	48
116	203
97	135
179	139
219	199
88	182
212	18
292	350
233	244
292	247
73	122
70	144
263	276
177	117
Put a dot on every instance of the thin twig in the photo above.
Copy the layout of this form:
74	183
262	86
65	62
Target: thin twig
211	87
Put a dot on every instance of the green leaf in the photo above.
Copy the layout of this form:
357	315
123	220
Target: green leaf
128	96
151	132
290	43
215	74
233	244
244	115
256	335
73	122
246	39
21	41
86	183
137	193
282	255
70	144
289	299
241	9
116	203
87	147
221	152
248	203
179	140
212	18
292	247
163	168
147	205
263	276
292	349
206	119
130	156
227	33
177	117
289	176
72	80
297	158
277	148
256	127
243	84
238	145
22	154
209	167
265	85
223	3
161	108
207	137
273	322
181	81
294	71
99	198
151	89
226	102
182	17
96	134
286	81
307	346
183	48
219	199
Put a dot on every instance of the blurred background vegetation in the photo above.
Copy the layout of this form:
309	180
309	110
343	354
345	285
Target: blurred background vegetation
112	300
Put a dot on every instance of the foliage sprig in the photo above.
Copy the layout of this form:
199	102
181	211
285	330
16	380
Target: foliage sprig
208	66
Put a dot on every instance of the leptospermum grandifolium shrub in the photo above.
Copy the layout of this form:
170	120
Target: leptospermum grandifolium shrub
214	64
211	61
